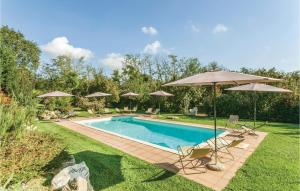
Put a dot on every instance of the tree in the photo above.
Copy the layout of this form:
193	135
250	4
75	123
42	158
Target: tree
18	64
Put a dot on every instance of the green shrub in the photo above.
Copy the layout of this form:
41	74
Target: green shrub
14	119
62	104
28	156
96	105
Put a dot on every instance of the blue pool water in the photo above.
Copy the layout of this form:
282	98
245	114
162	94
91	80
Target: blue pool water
166	135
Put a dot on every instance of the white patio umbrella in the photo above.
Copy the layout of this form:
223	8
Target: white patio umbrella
130	94
161	94
98	94
257	87
55	94
214	79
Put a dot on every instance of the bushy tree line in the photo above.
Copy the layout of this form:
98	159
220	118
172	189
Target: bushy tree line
141	74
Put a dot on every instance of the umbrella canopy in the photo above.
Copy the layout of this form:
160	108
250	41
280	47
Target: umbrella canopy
219	78
161	93
55	94
98	94
257	87
129	94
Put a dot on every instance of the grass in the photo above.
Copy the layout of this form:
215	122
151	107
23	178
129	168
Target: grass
111	169
274	165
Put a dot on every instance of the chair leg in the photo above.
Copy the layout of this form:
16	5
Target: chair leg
180	159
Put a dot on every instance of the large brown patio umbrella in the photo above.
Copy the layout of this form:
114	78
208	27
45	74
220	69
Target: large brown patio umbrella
130	94
214	79
257	87
55	94
98	94
161	94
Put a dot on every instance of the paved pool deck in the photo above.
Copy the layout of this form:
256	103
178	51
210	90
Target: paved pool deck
216	180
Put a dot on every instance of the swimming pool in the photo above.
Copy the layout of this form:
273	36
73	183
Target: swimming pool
159	134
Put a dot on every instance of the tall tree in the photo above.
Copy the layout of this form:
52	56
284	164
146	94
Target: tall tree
18	64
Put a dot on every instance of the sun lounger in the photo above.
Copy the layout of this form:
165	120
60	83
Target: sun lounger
189	155
107	111
126	110
134	109
193	111
223	145
90	111
117	110
156	112
149	110
251	130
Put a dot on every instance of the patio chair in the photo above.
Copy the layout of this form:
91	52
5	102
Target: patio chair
223	145
69	114
126	110
193	111
149	110
232	121
156	112
90	111
107	111
134	109
251	130
190	154
118	110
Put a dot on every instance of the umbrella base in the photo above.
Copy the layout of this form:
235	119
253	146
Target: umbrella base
218	166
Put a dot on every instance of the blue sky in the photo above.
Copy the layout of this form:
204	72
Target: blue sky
235	33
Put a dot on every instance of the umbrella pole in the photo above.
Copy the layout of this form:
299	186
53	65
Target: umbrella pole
254	119
130	105
215	122
159	107
217	166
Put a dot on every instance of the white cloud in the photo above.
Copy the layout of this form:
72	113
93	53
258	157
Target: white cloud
149	30
220	28
152	48
113	60
195	28
60	46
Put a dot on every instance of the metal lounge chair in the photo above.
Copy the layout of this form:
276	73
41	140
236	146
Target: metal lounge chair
190	154
251	130
224	145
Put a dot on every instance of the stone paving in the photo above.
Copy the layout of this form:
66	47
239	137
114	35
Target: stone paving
168	160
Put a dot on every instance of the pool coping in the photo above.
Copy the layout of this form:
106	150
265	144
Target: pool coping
107	118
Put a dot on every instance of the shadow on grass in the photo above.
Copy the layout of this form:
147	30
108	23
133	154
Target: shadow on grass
163	174
50	169
105	170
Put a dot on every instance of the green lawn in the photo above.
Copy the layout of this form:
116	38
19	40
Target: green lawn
274	165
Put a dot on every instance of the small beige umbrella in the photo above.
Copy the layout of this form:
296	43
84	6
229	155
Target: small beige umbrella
130	94
257	87
214	79
161	94
98	94
55	94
